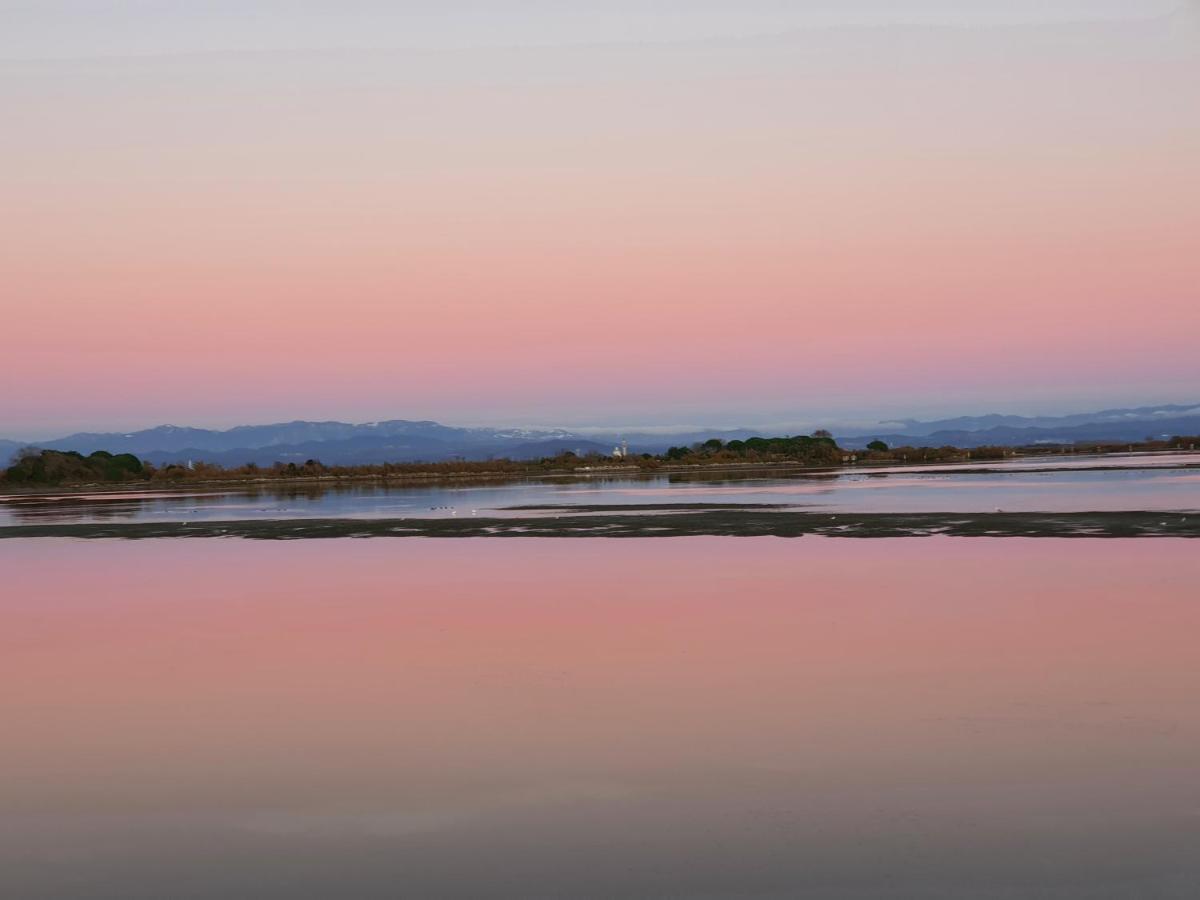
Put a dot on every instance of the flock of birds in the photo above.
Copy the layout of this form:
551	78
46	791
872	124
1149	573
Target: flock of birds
453	510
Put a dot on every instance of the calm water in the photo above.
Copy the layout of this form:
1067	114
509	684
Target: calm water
674	718
1147	483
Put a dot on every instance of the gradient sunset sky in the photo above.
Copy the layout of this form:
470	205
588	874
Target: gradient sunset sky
758	213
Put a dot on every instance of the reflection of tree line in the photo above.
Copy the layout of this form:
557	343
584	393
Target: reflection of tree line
74	509
723	477
70	508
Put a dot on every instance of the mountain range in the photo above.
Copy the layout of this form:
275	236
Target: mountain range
337	443
1126	424
401	440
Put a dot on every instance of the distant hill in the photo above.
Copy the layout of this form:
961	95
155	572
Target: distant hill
540	449
333	442
342	443
1106	417
368	451
167	438
1005	435
403	440
8	449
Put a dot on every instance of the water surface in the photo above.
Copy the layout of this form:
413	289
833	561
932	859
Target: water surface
691	718
1114	483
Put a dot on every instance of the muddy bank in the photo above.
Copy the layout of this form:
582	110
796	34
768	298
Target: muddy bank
750	522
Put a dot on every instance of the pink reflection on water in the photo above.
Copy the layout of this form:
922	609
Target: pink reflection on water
760	711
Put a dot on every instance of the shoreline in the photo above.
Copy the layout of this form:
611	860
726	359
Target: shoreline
400	480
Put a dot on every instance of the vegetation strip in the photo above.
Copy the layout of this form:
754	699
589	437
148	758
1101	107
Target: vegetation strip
35	469
741	523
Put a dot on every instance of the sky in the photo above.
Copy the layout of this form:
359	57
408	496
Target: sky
567	213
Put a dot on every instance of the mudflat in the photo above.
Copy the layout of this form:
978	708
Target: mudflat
648	522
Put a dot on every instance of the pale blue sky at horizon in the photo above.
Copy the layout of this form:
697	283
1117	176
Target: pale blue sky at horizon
56	29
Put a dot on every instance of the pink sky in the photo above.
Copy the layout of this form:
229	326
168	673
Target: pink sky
832	223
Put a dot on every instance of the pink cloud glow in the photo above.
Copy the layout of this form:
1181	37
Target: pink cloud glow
853	219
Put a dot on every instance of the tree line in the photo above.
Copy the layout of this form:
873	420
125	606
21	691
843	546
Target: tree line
35	467
67	466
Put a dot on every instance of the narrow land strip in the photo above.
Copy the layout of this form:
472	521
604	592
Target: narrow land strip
734	523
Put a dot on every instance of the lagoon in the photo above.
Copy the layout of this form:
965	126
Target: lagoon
683	718
1145	482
